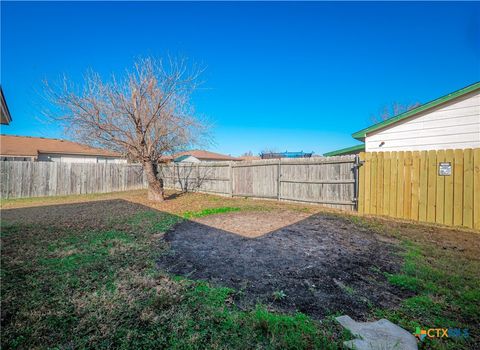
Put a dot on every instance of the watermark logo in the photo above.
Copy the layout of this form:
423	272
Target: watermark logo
441	333
420	333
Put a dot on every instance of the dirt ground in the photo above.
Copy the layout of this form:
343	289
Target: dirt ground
318	264
253	224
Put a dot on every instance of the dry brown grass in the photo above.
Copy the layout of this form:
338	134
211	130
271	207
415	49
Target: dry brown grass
175	203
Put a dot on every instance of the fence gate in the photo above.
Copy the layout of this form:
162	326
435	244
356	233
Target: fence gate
328	181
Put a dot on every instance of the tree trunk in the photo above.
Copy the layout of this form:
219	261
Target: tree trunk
155	185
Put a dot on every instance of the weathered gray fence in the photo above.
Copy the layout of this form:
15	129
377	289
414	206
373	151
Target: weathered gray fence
329	181
37	179
325	180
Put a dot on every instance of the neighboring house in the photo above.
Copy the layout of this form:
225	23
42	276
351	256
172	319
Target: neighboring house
449	122
346	151
249	158
278	155
196	156
27	148
6	118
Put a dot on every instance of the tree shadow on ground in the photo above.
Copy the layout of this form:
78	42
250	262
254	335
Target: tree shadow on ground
320	265
175	195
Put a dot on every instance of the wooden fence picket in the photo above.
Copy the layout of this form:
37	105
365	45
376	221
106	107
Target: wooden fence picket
409	185
476	188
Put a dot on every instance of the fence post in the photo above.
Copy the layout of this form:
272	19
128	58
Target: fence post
197	185
360	183
279	169
230	173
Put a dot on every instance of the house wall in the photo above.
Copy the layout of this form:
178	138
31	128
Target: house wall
17	158
188	159
192	159
212	160
455	125
68	158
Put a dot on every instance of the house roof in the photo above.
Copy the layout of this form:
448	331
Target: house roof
206	155
344	151
6	118
31	146
360	135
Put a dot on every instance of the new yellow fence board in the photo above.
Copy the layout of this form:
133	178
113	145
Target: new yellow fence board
422	199
407	187
361	184
468	187
415	185
458	188
380	183
431	186
386	183
393	184
440	197
476	188
448	207
373	184
400	179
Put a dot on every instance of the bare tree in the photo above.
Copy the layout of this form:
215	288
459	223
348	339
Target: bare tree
247	154
145	115
393	110
266	150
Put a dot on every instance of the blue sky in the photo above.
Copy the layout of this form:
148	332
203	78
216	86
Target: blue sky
289	76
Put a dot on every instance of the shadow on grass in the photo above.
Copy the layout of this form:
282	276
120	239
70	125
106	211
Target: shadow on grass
175	195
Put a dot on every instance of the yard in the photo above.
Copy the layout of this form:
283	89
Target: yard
202	271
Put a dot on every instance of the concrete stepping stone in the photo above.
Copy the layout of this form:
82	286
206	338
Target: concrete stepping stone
377	335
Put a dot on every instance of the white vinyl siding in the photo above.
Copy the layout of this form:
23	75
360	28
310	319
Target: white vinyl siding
453	125
192	159
187	159
68	158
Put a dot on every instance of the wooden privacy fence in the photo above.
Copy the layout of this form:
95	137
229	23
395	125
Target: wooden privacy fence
37	179
324	180
410	185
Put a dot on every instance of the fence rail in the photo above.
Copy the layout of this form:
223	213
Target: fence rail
409	185
37	179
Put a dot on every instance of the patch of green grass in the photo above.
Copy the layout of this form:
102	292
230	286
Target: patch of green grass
153	221
446	294
209	211
404	281
290	332
349	290
279	295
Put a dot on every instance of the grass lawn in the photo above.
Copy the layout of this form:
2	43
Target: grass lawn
86	277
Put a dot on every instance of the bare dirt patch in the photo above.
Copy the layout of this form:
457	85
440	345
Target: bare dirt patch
252	224
319	265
